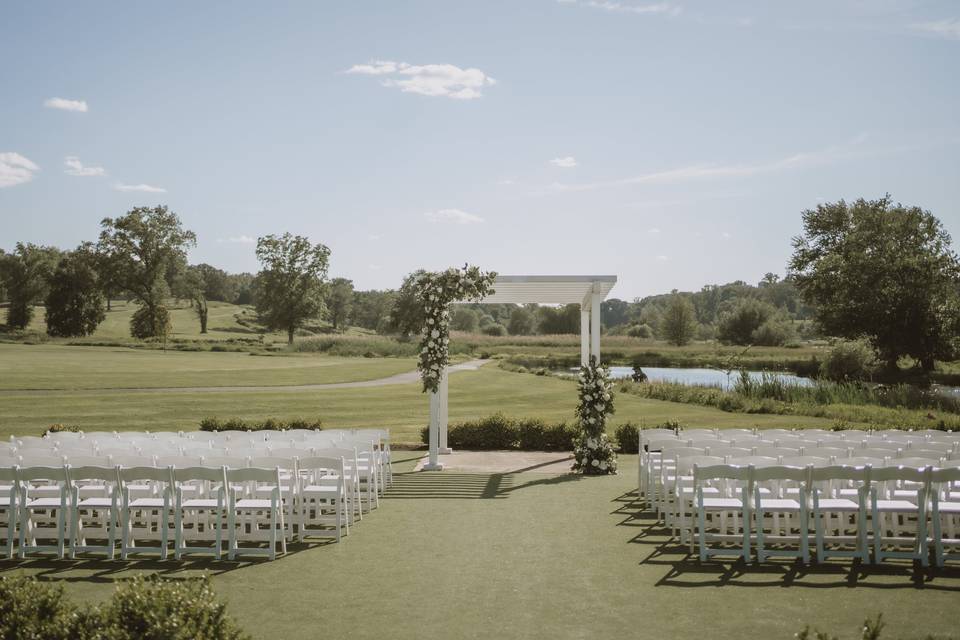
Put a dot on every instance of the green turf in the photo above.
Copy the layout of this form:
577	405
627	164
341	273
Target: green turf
73	367
402	408
453	555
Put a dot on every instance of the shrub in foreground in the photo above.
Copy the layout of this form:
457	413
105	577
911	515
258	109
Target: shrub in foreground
628	437
498	432
151	609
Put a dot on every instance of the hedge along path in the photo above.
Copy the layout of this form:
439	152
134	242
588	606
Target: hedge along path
401	378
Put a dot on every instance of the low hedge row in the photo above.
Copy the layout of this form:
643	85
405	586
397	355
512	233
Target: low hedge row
270	424
498	432
141	608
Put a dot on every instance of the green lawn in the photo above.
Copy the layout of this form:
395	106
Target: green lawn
402	408
453	555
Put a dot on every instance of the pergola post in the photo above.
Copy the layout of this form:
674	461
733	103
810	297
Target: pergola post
444	411
596	298
584	335
434	463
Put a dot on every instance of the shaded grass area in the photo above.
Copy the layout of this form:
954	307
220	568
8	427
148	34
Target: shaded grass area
401	408
463	555
73	367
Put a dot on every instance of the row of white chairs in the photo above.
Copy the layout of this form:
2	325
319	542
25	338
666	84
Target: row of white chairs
932	444
848	511
197	509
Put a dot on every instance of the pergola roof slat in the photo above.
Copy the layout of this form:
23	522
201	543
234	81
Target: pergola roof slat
549	289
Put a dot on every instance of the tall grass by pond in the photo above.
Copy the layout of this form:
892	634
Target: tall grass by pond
899	406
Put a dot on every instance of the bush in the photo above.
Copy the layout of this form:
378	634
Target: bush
494	329
772	333
537	435
153	609
628	437
849	360
640	331
738	324
150	322
498	432
57	428
270	424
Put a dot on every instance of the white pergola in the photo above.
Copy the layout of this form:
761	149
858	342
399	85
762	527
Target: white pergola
587	291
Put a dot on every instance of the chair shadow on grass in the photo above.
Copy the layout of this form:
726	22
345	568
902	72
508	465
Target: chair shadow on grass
100	570
685	570
469	486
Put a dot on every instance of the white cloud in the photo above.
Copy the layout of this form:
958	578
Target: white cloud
445	80
566	162
15	169
373	267
374	237
659	8
946	28
241	239
506	182
145	188
662	258
76	168
65	104
653	231
802	160
452	215
725	235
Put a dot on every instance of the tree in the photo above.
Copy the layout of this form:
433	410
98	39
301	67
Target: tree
147	244
741	319
371	309
217	283
560	320
74	303
882	271
25	274
464	319
339	300
521	322
109	273
678	321
191	284
290	284
407	316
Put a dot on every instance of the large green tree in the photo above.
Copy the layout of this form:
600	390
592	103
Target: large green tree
339	301
882	271
26	273
146	245
75	301
678	322
407	315
290	285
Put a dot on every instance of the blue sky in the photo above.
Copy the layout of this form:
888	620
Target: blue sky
671	143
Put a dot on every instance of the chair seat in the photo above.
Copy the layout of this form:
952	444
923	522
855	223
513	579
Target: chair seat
146	502
43	503
5	501
722	503
949	507
316	488
707	491
838	504
895	505
95	502
778	504
199	503
905	494
250	503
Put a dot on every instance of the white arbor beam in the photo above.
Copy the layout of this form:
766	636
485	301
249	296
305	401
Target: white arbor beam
595	325
584	334
444	416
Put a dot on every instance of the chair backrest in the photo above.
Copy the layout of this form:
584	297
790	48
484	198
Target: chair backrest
88	461
685	451
756	461
274	462
840	472
29	459
806	461
254	474
131	460
103	474
897	474
231	462
181	462
836	452
780	473
915	463
946	475
9	474
53	474
686	464
929	454
721	472
137	474
860	461
206	474
724	451
775	451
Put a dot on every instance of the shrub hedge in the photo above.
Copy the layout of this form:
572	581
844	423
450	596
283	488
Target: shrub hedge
270	424
499	432
143	608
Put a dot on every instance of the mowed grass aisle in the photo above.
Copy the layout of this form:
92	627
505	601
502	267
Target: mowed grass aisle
534	556
104	388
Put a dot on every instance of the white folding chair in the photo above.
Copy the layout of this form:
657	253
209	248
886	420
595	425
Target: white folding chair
9	509
43	518
255	519
838	519
945	508
788	520
289	487
145	518
729	513
203	518
905	520
684	496
94	517
323	497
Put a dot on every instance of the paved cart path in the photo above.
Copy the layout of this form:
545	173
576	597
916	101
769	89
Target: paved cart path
400	378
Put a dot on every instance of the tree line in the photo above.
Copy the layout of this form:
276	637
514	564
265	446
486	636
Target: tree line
870	269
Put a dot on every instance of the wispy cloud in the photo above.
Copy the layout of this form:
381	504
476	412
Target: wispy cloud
444	80
659	8
15	169
662	258
241	239
707	171
145	188
452	215
65	104
726	235
946	28
76	168
566	162
653	231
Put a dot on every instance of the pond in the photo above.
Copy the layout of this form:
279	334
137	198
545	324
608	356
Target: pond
711	377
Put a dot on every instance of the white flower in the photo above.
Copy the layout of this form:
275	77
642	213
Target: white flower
603	466
591	420
595	463
434	334
429	320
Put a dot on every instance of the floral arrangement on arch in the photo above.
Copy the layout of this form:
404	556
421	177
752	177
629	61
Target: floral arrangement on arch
593	452
437	290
